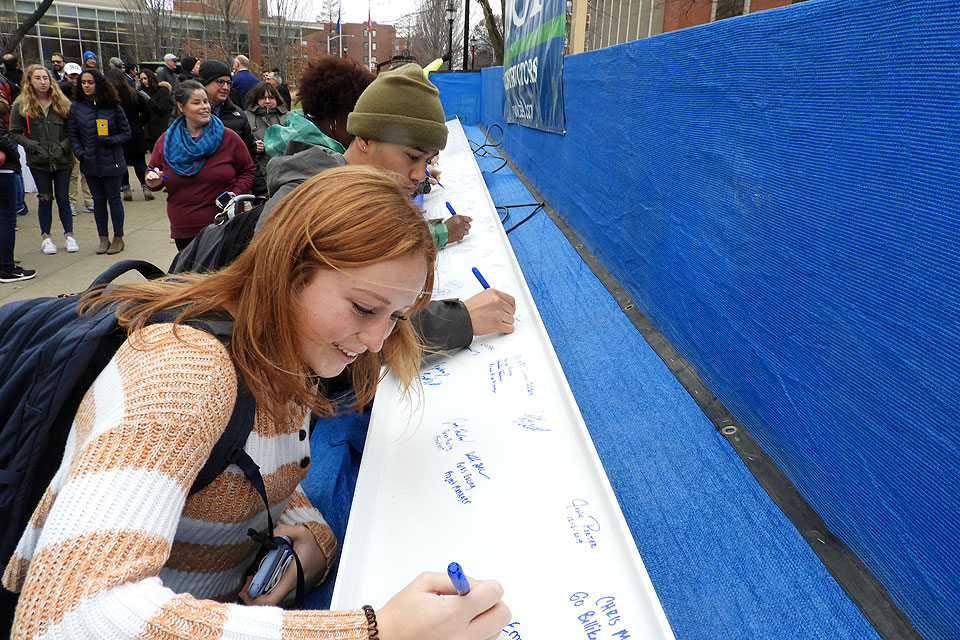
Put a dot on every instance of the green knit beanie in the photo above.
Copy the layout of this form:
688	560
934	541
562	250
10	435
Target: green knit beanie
403	107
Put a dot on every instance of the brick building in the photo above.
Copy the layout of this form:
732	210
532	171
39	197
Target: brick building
352	41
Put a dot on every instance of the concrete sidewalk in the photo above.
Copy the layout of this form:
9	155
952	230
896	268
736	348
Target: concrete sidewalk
146	235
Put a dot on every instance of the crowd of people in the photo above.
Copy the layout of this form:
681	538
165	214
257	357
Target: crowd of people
334	285
82	127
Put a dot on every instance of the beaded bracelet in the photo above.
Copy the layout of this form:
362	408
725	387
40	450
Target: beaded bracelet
371	622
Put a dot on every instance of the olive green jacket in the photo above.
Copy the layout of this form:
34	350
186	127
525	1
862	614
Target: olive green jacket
44	136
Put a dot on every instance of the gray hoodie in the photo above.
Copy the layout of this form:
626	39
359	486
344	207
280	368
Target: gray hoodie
299	163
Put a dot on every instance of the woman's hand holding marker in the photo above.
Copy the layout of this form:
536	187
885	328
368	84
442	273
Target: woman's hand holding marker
154	177
416	613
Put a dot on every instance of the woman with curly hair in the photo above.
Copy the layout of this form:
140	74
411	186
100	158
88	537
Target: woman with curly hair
328	92
38	121
98	128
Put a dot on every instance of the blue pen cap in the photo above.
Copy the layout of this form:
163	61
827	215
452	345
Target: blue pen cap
450	209
460	583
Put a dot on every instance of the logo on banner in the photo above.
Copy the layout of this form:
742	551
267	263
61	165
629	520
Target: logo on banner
533	64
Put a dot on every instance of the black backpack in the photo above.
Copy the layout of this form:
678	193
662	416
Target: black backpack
218	244
49	357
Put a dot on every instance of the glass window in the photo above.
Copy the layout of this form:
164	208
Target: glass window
89	38
374	33
49	47
365	60
729	8
89	25
71	50
374	46
69	32
109	50
65	11
48	31
26	7
87	13
364	45
29	50
364	32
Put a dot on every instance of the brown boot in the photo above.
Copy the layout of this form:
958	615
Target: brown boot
104	244
147	194
116	246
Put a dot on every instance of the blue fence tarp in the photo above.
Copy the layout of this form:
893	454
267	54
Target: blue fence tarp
777	192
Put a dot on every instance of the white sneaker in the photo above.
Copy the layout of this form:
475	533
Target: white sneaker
74	209
71	245
48	247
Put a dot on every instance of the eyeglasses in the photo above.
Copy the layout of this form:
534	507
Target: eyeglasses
224	83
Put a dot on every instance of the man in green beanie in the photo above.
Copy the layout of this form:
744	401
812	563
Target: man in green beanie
397	124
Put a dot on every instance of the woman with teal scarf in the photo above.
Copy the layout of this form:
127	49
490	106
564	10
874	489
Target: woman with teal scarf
196	160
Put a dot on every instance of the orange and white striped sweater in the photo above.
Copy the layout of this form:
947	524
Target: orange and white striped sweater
116	549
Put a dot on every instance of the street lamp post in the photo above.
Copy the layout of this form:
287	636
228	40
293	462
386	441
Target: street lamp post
451	12
340	49
466	30
473	53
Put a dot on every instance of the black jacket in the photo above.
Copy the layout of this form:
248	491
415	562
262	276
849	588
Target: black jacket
98	155
9	148
138	114
161	108
234	118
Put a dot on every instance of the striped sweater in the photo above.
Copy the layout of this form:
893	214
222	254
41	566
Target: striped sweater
117	549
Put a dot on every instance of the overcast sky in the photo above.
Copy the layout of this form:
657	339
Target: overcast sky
389	11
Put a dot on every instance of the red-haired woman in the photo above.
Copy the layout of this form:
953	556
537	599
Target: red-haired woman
118	546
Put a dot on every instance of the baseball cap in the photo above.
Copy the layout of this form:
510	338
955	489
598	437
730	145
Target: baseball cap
71	68
170	56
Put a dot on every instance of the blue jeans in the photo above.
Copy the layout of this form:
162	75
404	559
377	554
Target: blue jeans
49	183
19	193
106	190
8	218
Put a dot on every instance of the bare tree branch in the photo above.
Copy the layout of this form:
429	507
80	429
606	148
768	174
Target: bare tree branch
22	30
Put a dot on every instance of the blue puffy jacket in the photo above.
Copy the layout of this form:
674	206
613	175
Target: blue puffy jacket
98	155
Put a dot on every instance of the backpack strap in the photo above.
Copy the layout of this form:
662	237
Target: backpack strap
229	448
148	270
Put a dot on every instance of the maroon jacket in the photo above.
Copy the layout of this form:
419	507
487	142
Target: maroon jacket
191	201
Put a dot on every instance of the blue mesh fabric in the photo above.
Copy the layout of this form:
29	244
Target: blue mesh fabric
725	561
778	194
459	94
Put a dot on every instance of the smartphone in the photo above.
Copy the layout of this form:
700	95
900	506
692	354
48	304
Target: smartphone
271	569
224	198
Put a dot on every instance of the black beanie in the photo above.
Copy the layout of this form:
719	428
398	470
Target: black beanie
403	107
187	63
210	70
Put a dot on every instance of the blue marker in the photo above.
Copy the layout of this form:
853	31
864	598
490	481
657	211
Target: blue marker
450	209
455	571
483	282
430	176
